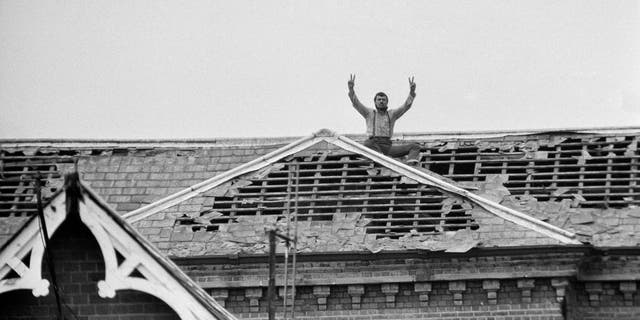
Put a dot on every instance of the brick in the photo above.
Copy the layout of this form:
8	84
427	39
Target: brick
163	245
183	235
160	176
526	285
145	199
118	198
492	287
321	293
628	288
254	295
390	290
148	231
88	176
220	295
158	191
101	183
181	175
131	168
356	292
106	192
148	183
115	176
124	183
152	168
196	168
202	236
594	289
127	206
138	176
423	289
560	285
203	175
168	222
457	288
108	169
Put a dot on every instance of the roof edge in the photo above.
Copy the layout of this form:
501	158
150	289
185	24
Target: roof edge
388	254
622	129
166	263
243	141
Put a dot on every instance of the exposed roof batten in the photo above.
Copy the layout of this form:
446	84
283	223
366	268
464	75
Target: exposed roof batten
350	145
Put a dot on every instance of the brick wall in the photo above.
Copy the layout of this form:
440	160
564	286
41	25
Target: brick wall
402	301
79	266
523	285
604	300
371	268
417	288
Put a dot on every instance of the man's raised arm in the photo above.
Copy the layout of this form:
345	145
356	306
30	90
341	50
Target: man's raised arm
354	99
407	104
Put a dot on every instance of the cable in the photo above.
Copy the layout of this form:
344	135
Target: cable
45	240
64	302
49	256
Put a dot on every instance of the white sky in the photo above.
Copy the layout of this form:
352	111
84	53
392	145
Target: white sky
203	69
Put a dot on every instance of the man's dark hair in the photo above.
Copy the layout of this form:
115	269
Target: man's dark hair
380	94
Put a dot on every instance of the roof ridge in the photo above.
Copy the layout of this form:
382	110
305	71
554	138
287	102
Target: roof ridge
222	141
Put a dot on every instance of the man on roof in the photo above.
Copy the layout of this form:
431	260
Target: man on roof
380	122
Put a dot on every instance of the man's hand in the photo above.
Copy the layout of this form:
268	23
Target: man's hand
412	87
354	100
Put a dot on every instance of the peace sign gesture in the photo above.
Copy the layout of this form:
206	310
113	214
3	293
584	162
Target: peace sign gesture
412	86
351	82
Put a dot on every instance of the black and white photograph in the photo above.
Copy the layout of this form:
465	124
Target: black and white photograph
332	160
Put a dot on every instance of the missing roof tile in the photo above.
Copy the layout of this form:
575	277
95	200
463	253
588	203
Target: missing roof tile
602	170
323	185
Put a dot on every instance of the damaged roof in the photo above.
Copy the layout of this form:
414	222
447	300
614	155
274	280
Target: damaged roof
583	182
347	198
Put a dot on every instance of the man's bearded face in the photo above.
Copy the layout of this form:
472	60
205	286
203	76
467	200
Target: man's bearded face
381	102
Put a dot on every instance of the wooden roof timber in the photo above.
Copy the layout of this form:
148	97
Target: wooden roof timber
343	142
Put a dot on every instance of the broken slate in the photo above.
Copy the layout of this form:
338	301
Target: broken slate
581	218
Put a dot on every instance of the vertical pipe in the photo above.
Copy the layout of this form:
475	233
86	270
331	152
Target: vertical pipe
286	279
295	242
272	275
286	247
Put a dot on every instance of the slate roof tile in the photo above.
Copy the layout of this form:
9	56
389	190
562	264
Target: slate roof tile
345	231
132	176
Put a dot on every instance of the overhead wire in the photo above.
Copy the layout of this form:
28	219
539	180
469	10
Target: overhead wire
44	236
45	242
